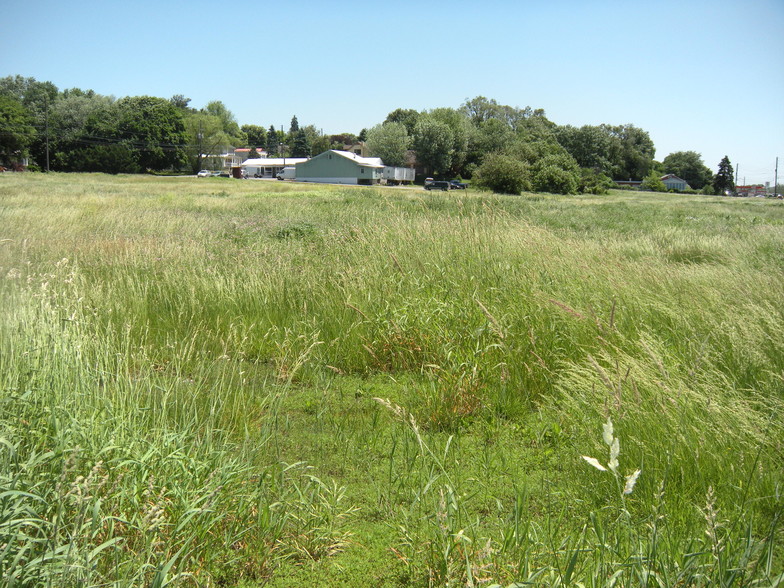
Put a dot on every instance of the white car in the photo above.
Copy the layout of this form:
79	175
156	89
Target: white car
205	173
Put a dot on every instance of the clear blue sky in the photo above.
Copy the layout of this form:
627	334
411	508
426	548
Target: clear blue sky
706	76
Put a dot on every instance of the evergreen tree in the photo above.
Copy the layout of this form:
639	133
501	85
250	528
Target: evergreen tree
724	182
301	145
294	126
272	142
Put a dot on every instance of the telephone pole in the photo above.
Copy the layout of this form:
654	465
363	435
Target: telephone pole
46	96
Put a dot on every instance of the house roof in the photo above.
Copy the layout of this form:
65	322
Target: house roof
273	161
364	161
672	177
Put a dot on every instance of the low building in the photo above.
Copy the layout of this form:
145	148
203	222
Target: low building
268	167
341	167
673	182
752	190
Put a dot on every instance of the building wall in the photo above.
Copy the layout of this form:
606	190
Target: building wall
328	165
675	184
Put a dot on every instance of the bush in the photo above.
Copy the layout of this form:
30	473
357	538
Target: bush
503	174
653	183
556	173
594	182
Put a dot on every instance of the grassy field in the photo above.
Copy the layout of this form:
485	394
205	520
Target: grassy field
211	382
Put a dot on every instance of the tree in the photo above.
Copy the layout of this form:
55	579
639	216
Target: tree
152	129
503	174
301	145
257	136
433	142
272	141
180	101
557	173
408	117
653	183
591	146
253	154
16	129
228	121
68	118
688	166
633	152
461	131
724	182
294	127
390	142
207	139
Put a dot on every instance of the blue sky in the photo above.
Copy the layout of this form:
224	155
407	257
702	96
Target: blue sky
697	75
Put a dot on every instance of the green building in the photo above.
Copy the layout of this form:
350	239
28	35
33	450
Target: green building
341	167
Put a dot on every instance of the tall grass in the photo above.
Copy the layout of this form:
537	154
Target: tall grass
187	372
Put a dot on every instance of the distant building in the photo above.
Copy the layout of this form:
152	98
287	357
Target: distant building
673	182
268	167
753	190
341	167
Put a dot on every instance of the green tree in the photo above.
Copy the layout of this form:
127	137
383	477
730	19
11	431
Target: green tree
591	146
461	132
408	117
557	173
503	174
433	142
68	118
180	101
390	142
206	140
633	152
301	145
16	129
228	122
688	165
257	135
724	181
152	128
294	127
653	183
272	142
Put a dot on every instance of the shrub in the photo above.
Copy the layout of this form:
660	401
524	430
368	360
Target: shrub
503	174
556	173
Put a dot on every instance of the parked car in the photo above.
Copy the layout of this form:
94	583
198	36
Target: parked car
456	185
205	173
431	184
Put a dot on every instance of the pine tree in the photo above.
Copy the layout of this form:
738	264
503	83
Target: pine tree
294	126
272	142
724	182
301	145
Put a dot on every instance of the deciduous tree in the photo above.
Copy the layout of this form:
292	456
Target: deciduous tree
688	165
389	141
16	129
433	142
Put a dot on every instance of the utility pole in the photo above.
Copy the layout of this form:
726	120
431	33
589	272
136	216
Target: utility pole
46	96
776	180
198	158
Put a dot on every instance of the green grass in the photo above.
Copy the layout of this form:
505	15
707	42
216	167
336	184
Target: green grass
216	382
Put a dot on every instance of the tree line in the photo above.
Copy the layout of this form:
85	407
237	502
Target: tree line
504	148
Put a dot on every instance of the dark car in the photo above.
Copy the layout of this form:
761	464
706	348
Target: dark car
437	185
456	185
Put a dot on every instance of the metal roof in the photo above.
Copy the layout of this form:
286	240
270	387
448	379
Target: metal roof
273	161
